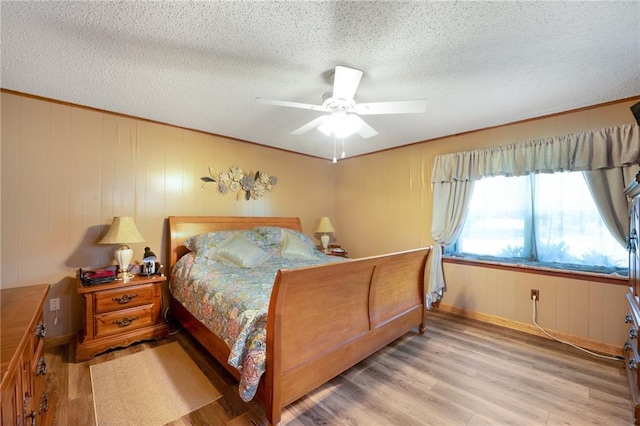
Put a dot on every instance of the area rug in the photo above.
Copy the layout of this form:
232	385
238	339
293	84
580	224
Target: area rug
152	387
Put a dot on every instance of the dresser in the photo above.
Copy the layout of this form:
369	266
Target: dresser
24	400
631	350
120	313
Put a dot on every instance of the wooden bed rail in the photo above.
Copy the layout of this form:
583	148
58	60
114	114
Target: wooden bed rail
325	319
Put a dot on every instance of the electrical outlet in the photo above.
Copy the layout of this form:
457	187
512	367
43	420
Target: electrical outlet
535	293
54	304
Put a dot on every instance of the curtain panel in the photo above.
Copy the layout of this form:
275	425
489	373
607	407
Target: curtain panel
605	157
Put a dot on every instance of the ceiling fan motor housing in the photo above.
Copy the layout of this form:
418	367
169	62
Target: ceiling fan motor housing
336	104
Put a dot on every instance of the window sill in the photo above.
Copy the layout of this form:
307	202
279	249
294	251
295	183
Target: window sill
529	269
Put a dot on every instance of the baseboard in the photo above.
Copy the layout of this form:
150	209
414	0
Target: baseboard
63	339
592	345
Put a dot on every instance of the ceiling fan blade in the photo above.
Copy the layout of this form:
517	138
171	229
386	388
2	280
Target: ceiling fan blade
310	125
291	104
365	130
345	82
392	107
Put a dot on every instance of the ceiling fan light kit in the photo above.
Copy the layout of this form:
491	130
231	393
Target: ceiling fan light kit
340	125
343	119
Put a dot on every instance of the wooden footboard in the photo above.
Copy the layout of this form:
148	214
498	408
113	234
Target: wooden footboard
324	319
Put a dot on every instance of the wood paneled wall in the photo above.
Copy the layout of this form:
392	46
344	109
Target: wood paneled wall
67	171
384	203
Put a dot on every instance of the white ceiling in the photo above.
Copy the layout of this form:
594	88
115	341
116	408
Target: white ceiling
201	65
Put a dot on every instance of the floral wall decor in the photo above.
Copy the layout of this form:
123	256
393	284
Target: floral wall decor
246	184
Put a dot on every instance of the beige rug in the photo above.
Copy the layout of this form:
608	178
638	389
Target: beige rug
152	387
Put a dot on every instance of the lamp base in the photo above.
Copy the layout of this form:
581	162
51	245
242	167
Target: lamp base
123	256
325	242
125	275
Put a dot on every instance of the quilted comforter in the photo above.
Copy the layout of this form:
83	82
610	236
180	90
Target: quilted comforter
233	303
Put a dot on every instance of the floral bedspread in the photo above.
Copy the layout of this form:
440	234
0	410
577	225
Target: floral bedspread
233	303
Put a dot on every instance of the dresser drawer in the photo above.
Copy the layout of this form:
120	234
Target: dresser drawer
124	320
121	298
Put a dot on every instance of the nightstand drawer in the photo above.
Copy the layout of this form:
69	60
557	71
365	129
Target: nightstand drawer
122	298
124	320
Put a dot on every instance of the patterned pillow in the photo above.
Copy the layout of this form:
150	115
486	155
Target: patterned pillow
274	235
203	244
240	251
295	248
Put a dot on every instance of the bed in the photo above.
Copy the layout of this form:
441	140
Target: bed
321	319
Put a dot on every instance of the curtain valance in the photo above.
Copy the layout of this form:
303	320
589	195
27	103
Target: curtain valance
593	150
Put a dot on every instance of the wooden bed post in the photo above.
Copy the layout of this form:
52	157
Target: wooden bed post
273	372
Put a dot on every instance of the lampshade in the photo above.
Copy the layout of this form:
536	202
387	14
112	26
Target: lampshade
325	226
123	230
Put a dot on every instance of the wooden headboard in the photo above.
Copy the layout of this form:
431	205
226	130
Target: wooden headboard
183	227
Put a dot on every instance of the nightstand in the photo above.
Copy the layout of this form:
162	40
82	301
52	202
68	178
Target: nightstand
120	313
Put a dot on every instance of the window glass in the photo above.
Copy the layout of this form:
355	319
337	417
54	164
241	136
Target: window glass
497	217
548	219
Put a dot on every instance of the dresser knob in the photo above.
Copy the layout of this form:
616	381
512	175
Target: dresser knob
41	369
41	329
628	318
633	333
632	364
44	403
627	346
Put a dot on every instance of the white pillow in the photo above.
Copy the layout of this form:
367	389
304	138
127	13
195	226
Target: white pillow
294	248
241	251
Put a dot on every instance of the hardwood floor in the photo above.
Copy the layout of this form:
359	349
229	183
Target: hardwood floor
460	372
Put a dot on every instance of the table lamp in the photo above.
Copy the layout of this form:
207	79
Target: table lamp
123	231
324	227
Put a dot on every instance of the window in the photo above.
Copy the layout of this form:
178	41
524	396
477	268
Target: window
546	219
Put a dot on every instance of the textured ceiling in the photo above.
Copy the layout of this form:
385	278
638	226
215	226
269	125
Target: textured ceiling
201	65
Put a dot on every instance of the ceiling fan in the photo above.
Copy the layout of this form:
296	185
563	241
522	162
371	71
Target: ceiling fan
343	119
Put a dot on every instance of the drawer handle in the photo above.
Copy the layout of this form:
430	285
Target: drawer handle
27	415
124	299
41	329
628	318
31	416
126	321
41	369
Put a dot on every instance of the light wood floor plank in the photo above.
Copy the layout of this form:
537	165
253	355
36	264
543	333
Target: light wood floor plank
460	372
